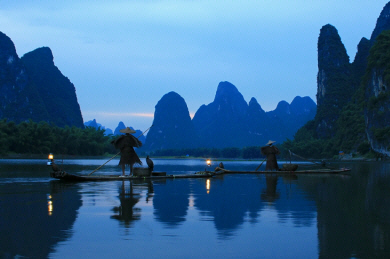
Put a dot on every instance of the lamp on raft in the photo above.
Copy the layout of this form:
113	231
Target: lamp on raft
50	159
208	163
51	163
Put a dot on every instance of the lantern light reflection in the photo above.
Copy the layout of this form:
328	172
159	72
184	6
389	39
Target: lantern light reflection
49	205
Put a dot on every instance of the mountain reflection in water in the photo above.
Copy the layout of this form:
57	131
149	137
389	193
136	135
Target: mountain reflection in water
34	217
243	215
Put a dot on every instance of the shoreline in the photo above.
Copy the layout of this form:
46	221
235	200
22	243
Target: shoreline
108	156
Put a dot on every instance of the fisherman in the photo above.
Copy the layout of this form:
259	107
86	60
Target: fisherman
125	144
270	152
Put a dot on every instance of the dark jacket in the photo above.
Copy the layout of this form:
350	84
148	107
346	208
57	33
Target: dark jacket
271	152
125	144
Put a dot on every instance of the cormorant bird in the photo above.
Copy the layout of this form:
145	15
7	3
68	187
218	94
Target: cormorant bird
219	167
150	163
55	167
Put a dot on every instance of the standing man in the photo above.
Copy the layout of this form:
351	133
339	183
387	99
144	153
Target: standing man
125	144
270	152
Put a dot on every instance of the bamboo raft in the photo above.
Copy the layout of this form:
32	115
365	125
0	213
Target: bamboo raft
62	175
315	171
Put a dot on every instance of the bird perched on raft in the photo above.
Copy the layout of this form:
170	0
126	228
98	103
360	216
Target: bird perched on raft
150	163
219	167
55	167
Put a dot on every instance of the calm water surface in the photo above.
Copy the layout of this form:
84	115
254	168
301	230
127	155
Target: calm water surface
229	216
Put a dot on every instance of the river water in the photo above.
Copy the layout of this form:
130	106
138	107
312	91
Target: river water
227	216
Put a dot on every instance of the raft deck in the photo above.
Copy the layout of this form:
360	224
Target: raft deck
156	175
316	171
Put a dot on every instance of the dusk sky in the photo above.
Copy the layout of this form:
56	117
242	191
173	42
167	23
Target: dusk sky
123	56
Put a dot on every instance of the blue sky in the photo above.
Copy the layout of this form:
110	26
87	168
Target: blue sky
123	56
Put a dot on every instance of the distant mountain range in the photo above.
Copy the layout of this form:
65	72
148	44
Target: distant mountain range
94	124
229	121
108	131
32	87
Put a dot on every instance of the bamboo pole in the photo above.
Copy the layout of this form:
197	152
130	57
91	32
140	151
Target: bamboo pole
104	163
309	160
260	164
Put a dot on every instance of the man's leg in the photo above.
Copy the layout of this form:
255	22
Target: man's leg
123	169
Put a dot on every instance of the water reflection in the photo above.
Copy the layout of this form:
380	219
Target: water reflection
354	214
30	225
208	181
270	194
129	196
171	201
231	200
334	216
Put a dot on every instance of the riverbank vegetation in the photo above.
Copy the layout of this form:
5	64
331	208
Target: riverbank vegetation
31	138
230	152
362	119
43	138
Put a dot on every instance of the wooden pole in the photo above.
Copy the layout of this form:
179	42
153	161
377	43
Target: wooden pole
309	160
145	131
260	164
104	163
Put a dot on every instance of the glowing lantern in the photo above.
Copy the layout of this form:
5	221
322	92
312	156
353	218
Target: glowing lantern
51	158
208	162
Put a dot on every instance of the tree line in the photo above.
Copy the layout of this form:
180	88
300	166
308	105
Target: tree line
229	152
30	137
42	138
